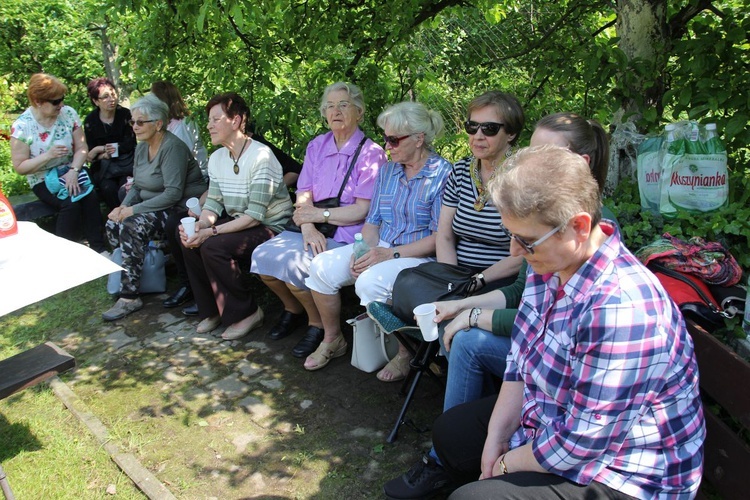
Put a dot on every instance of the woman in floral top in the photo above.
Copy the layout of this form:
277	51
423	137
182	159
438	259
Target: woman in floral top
49	135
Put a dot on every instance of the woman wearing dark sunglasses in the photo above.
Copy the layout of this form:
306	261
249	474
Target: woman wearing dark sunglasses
165	174
49	135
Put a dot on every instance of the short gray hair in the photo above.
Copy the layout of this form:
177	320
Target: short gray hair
549	182
153	108
406	118
355	96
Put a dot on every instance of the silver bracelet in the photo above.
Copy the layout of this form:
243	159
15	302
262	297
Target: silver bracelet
474	317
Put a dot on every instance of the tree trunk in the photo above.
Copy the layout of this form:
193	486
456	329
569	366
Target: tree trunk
644	38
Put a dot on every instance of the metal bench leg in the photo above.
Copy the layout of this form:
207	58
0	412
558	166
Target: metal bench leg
420	363
5	486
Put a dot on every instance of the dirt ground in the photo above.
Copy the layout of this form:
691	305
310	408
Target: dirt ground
243	419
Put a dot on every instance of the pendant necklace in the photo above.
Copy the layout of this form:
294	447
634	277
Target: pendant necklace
237	167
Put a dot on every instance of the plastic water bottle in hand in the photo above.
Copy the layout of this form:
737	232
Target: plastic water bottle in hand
360	247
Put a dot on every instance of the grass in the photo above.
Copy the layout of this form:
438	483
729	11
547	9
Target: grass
198	445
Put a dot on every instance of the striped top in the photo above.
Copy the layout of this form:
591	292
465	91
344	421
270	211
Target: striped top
258	190
408	210
610	378
480	241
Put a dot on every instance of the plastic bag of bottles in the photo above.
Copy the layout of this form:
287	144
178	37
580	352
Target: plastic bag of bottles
693	175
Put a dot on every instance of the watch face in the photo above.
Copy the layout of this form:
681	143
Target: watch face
326	213
396	255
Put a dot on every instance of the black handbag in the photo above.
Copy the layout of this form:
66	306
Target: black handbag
430	282
326	229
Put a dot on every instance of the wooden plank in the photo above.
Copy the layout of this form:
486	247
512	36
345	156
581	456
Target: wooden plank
722	373
726	459
30	367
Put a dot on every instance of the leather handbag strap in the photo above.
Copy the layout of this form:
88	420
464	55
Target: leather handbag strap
351	166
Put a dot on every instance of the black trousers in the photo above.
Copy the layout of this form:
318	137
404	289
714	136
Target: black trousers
215	271
72	215
458	436
175	245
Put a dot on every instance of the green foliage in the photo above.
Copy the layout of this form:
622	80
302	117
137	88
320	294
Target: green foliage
10	181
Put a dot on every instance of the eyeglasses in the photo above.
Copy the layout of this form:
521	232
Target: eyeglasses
55	102
139	122
395	141
529	247
341	105
489	129
106	97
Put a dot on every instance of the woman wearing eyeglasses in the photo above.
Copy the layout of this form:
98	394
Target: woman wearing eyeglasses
164	175
477	339
48	135
110	140
283	263
399	228
247	204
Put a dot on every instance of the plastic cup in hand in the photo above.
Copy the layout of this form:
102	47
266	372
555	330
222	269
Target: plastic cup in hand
194	205
116	152
188	224
62	143
425	315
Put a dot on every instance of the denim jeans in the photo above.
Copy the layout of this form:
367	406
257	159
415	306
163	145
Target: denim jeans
475	357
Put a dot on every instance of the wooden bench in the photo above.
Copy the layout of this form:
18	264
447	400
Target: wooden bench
30	208
25	370
723	375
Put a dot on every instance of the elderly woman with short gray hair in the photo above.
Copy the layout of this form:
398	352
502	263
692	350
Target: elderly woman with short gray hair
399	228
283	262
164	174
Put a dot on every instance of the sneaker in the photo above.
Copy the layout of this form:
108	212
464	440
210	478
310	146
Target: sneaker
122	308
425	479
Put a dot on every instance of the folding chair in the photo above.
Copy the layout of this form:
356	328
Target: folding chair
423	354
27	369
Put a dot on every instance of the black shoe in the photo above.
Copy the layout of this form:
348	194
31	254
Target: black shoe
286	325
182	295
423	480
190	310
312	339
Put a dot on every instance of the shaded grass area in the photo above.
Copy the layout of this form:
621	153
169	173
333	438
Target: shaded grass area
290	434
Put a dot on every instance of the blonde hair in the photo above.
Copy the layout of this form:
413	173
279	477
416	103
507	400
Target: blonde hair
549	182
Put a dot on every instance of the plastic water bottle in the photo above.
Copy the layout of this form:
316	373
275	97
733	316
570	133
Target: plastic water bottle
746	317
360	247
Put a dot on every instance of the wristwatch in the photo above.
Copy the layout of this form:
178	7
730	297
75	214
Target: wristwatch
326	214
214	231
480	278
396	255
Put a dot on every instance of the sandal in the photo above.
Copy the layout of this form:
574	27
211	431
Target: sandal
398	368
325	352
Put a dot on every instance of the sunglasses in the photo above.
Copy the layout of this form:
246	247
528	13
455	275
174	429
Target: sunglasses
489	129
529	247
395	141
55	102
139	122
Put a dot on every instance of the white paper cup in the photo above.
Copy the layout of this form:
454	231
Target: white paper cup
194	205
60	142
116	152
188	224
425	315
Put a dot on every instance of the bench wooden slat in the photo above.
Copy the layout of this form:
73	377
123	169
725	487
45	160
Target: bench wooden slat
722	374
722	377
31	367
